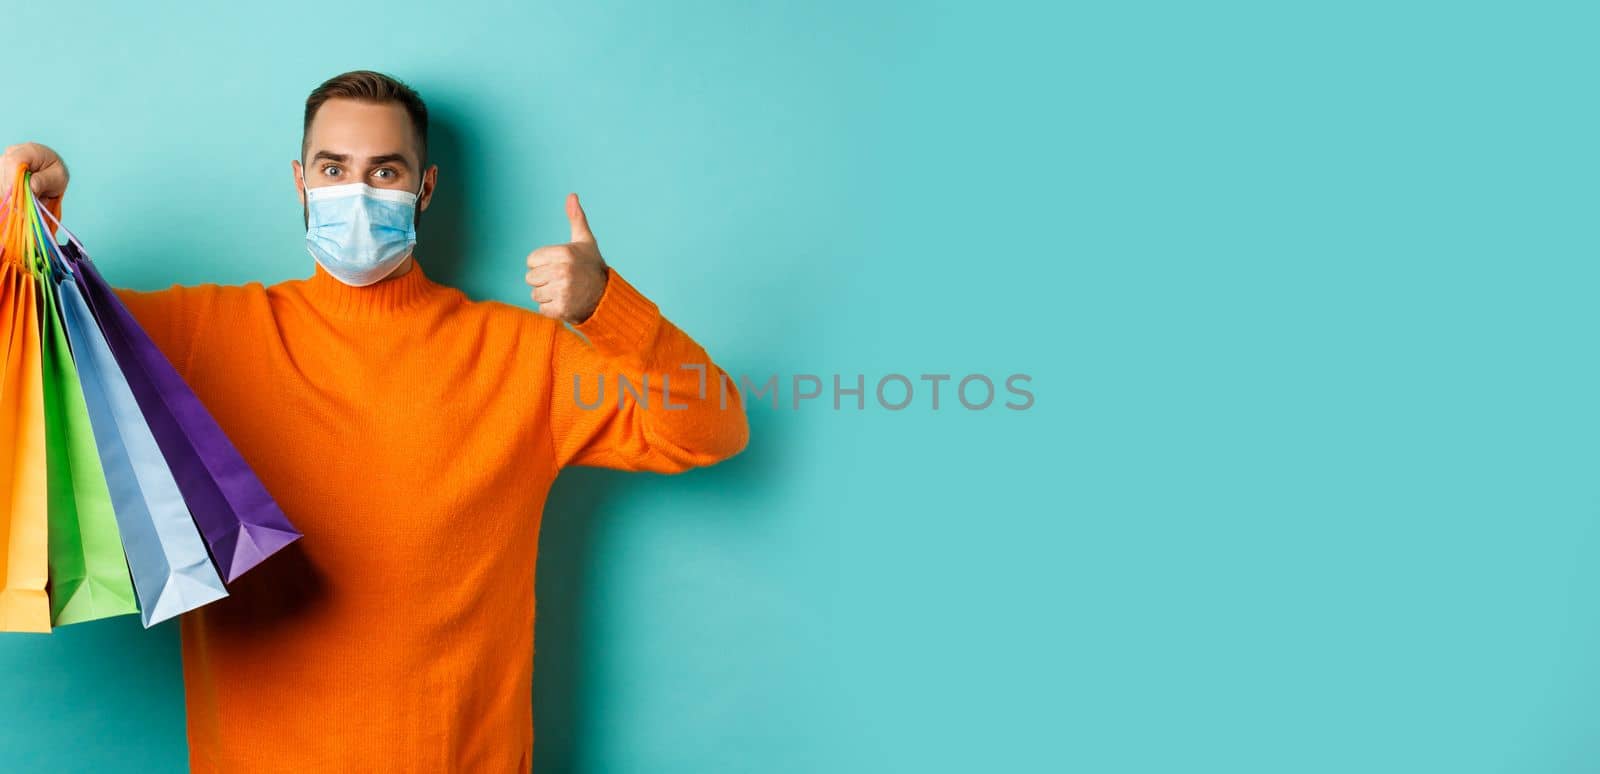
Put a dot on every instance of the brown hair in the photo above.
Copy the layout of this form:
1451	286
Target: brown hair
369	86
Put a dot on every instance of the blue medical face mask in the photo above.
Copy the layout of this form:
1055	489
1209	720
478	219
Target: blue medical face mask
359	233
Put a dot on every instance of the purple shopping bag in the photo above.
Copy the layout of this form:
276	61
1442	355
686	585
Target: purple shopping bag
241	522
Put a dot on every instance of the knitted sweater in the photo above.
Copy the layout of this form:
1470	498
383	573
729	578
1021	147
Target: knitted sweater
412	435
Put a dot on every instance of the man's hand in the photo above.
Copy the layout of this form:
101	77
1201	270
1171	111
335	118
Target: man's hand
49	171
568	279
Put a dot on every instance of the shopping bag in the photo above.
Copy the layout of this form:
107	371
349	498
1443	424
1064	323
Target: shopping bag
88	572
241	522
24	547
172	573
166	557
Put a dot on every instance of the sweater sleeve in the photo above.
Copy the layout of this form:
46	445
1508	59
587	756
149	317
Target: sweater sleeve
172	317
639	394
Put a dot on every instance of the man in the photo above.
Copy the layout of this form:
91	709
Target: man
412	436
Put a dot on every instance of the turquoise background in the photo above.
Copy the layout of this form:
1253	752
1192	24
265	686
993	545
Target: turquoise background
1306	291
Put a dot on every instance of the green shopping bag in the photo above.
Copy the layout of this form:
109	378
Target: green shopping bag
88	572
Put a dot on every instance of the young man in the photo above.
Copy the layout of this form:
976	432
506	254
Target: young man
412	436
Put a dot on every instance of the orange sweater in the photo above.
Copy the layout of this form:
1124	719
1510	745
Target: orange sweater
412	435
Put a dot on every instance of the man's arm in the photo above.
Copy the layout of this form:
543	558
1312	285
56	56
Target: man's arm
634	392
640	394
172	316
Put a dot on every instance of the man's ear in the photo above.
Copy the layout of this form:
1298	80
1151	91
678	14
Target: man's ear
299	180
430	177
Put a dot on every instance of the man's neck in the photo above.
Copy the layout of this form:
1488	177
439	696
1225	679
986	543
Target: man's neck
400	271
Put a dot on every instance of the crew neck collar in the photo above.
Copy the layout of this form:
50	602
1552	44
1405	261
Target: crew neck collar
384	297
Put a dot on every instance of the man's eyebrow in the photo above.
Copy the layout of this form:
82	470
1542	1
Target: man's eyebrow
389	157
342	158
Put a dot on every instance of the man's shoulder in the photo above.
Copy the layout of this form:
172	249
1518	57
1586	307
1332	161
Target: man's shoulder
190	294
502	322
497	311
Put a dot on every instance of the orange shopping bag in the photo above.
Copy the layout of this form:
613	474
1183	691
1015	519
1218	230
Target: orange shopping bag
24	515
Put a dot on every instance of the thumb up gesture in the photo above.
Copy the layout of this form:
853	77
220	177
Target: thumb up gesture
568	279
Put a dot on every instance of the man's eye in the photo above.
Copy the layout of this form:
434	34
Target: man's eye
384	173
330	171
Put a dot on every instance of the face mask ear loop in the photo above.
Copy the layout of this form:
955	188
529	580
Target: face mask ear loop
418	211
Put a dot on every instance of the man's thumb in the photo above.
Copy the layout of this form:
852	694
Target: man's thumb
580	222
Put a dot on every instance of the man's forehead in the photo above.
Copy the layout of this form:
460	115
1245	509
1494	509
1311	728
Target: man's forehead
353	131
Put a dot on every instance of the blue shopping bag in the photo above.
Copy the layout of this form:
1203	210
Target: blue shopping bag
172	572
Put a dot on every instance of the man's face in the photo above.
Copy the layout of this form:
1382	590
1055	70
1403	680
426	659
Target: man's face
359	142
